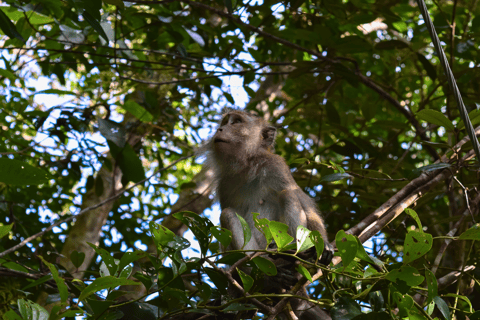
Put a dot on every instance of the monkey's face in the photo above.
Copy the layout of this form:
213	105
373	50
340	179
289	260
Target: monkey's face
237	136
241	135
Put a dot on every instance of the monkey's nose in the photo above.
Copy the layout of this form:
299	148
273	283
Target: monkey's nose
219	129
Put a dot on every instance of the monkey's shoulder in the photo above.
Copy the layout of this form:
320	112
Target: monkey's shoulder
275	166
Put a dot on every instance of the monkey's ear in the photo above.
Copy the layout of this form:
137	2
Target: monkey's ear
268	134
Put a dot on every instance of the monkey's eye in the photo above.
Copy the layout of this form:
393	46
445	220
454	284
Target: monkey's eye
237	120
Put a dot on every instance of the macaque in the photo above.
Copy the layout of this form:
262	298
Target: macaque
249	177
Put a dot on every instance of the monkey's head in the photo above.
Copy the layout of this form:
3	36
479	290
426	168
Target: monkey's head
240	136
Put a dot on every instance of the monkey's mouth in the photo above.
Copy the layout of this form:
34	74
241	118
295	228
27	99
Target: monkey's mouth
219	140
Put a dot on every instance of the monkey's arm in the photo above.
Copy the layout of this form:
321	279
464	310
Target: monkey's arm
300	209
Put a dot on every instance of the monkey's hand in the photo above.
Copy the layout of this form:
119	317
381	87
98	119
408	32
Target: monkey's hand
327	254
286	276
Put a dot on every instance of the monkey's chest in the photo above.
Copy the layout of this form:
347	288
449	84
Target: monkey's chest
250	198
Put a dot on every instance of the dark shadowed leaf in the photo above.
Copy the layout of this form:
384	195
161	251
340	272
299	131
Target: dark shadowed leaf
77	258
443	307
345	309
105	283
428	66
432	285
8	27
391	45
18	173
334	177
265	265
435	117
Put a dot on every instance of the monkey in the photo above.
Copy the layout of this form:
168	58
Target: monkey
250	177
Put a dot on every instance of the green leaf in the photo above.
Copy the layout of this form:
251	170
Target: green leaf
247	233
303	239
205	292
464	298
161	235
408	274
224	236
131	165
219	280
334	177
105	283
113	132
248	77
414	314
404	303
200	226
8	27
415	217
77	258
19	173
4	230
432	285
30	310
62	287
428	66
106	257
363	255
246	280
435	117
352	44
166	277
137	111
265	265
35	283
318	242
347	247
240	307
7	74
99	186
474	116
118	3
433	167
345	309
11	315
471	234
300	161
95	25
280	234
304	272
129	257
332	113
416	245
33	17
262	226
56	92
437	144
228	4
391	45
442	306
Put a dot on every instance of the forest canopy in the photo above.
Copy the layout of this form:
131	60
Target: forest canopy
103	104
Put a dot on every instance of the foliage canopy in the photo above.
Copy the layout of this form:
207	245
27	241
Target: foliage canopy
103	103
